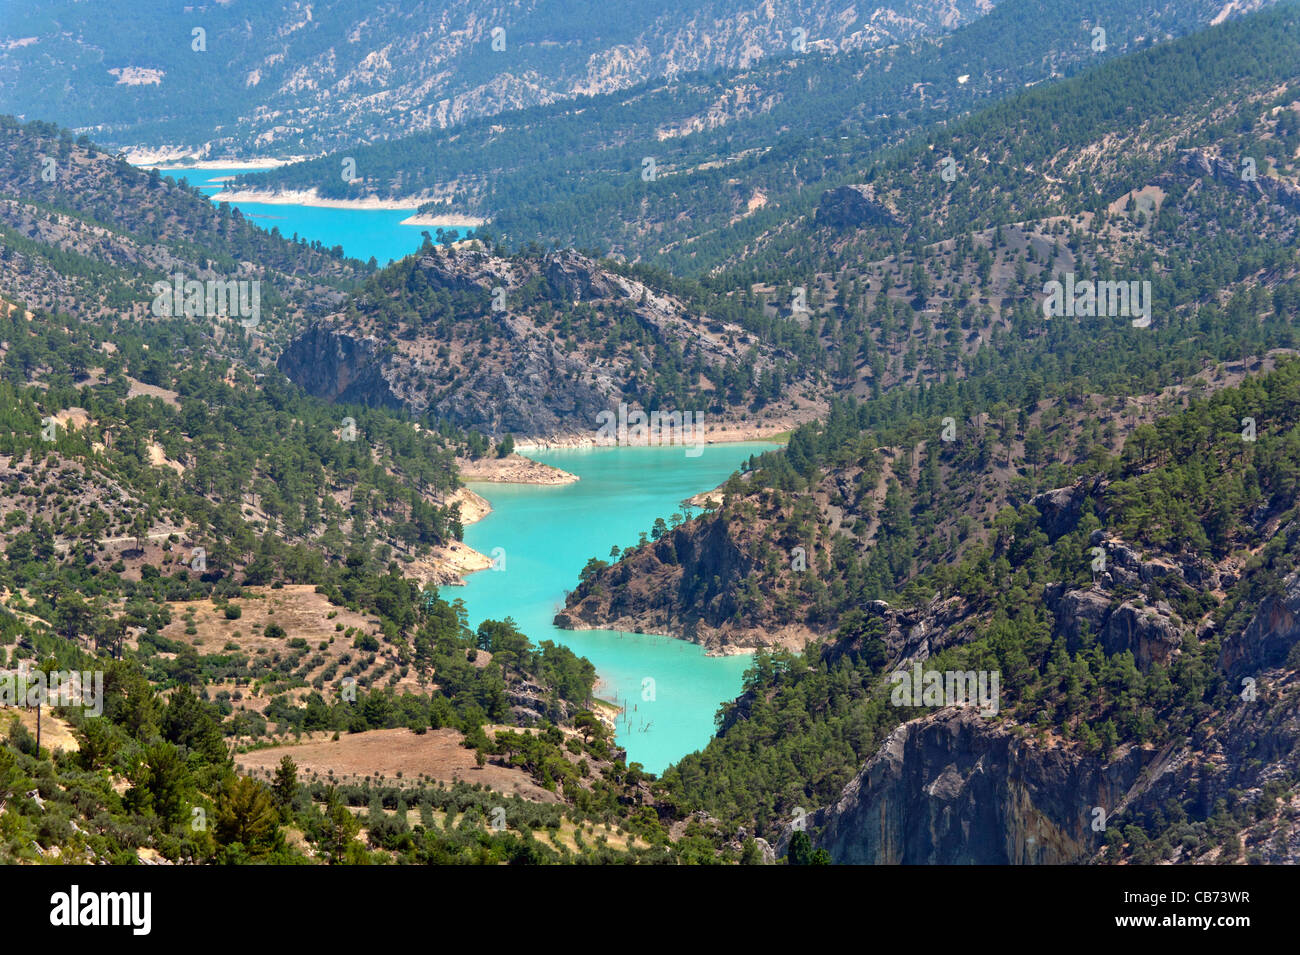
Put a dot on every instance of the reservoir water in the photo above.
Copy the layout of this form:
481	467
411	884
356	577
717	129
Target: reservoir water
361	232
546	534
670	689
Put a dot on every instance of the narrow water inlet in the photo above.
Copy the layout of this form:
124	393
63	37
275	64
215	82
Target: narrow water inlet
670	688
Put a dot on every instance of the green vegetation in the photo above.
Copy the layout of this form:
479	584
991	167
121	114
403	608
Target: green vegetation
162	483
1192	487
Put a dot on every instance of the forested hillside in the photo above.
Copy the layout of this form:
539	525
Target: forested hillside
690	173
970	397
1027	306
543	344
1137	622
178	517
1098	509
87	234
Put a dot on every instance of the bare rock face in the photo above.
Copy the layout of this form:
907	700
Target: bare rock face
1147	632
653	591
571	277
535	389
956	789
911	634
1150	633
463	269
854	207
338	366
1124	566
1268	638
1076	609
1146	627
532	703
497	359
1061	508
1200	163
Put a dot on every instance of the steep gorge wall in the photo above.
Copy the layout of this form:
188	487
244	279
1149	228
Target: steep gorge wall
338	367
954	789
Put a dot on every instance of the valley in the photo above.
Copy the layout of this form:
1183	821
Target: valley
551	435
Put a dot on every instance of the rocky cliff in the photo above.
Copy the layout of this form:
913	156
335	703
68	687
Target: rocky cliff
1247	178
955	789
683	584
534	346
338	366
1269	638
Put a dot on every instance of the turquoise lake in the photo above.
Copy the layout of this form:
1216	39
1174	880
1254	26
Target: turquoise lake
361	232
547	534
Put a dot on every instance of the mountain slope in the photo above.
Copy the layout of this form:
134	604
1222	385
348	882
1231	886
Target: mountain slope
735	155
291	77
542	345
971	397
1143	633
179	521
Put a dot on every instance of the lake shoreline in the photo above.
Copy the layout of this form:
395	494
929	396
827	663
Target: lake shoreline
512	469
451	220
710	650
163	161
365	228
457	559
309	197
545	537
453	561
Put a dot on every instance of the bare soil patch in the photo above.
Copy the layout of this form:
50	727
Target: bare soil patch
512	469
436	755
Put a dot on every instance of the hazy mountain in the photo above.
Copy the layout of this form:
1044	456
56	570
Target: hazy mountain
293	77
688	173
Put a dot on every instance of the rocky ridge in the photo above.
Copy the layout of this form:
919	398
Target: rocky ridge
513	360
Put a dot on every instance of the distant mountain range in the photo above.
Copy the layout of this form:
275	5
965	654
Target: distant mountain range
688	173
297	77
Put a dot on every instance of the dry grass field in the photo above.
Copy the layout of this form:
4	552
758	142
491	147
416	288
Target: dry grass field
393	757
317	645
